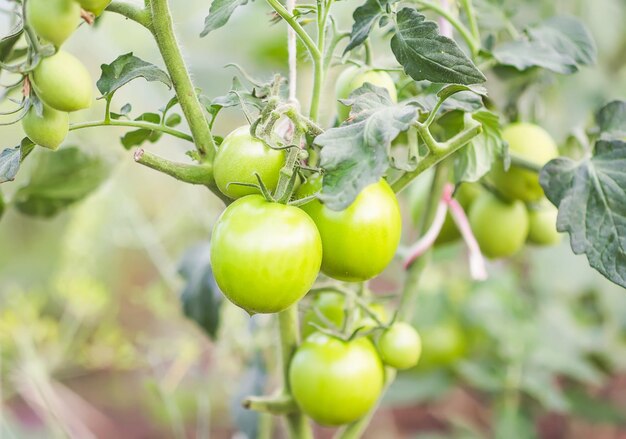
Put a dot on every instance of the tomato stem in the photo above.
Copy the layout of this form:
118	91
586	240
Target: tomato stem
132	12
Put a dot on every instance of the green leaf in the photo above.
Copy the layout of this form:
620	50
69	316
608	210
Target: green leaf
201	298
138	137
425	54
591	198
526	54
220	13
11	159
126	68
365	18
7	44
354	155
611	120
475	160
59	179
173	120
569	36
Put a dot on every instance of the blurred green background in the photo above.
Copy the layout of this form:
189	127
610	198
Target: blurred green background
92	335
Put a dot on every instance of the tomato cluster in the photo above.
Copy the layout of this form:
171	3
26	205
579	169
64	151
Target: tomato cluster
61	81
514	211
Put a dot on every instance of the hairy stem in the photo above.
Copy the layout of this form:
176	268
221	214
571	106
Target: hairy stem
132	12
297	423
163	31
471	18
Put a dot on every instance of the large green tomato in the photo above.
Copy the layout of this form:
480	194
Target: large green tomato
239	157
94	6
354	77
442	345
532	143
334	381
400	346
53	20
542	225
360	241
49	130
500	227
265	256
418	196
63	82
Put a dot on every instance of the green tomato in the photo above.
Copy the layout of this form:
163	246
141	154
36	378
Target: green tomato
239	157
400	346
418	196
96	7
62	82
53	20
500	227
49	130
334	381
529	142
265	256
354	77
542	225
442	345
360	241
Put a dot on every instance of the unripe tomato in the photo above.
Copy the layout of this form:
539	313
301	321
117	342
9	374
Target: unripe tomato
529	142
63	82
94	6
53	20
49	130
360	241
500	227
239	157
400	346
354	77
334	381
442	345
265	256
418	196
542	225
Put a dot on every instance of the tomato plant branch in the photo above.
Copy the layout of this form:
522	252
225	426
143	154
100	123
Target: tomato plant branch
466	34
438	151
163	31
276	405
523	163
291	21
297	423
133	124
319	73
132	12
471	18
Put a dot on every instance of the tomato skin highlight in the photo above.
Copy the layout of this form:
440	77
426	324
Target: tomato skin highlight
96	7
53	20
531	143
542	225
360	241
265	256
354	77
336	382
239	157
500	228
63	83
49	130
400	346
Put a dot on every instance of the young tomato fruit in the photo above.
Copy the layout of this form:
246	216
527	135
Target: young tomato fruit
49	130
542	225
360	241
529	142
352	78
400	346
500	227
265	255
442	345
96	7
335	381
53	20
63	82
239	157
